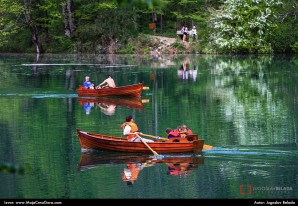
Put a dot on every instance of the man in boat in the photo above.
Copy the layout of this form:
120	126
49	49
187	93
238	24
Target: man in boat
87	83
107	83
131	130
172	133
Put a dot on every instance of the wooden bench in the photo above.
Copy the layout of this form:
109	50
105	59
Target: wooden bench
180	34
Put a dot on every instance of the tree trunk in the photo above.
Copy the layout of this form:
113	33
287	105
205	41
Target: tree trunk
33	28
68	18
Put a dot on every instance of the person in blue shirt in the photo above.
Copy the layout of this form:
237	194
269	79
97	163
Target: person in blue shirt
87	83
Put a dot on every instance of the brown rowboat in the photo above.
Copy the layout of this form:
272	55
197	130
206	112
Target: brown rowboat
134	90
92	141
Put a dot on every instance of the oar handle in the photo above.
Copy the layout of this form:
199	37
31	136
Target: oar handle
156	137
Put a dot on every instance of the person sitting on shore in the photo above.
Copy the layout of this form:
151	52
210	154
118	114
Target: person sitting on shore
107	83
87	83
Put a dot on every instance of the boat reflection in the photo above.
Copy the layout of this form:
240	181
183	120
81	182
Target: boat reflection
177	164
108	105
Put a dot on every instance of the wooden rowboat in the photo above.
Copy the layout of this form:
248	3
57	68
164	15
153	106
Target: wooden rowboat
89	160
130	102
134	90
92	141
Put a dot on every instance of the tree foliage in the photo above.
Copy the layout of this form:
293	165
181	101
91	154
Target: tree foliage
101	26
244	26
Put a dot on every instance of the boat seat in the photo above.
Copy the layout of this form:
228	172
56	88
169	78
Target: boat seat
192	137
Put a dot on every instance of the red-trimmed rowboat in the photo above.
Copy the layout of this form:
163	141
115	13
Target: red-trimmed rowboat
134	90
92	141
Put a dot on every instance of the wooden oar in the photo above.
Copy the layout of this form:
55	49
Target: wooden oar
205	146
145	143
156	137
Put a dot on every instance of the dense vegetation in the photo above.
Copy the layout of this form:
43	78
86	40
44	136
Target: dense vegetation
122	26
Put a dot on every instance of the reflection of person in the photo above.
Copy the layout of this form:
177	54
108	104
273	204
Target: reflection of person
131	173
107	83
179	168
87	107
195	73
107	109
87	83
130	129
185	71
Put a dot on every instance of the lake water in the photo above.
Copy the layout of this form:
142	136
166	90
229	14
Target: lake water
244	106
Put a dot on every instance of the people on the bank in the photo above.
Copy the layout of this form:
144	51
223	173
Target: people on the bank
107	83
131	130
172	133
87	83
184	130
193	33
184	31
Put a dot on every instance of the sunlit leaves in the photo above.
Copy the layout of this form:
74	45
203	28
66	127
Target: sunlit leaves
243	26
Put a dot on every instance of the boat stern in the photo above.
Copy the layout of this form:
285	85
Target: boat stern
198	146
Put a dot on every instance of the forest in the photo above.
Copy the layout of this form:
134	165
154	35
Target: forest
125	26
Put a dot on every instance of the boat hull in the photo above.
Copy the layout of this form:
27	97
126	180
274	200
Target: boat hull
92	141
134	90
130	102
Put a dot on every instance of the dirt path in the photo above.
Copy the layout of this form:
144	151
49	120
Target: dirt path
167	40
165	43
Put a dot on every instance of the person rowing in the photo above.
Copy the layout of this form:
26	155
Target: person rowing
107	83
131	131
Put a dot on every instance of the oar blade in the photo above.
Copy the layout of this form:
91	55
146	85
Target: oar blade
207	147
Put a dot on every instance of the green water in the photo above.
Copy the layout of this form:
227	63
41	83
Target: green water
246	107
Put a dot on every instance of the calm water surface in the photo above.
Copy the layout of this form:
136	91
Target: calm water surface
246	107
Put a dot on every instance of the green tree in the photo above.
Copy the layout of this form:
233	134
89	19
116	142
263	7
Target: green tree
243	26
